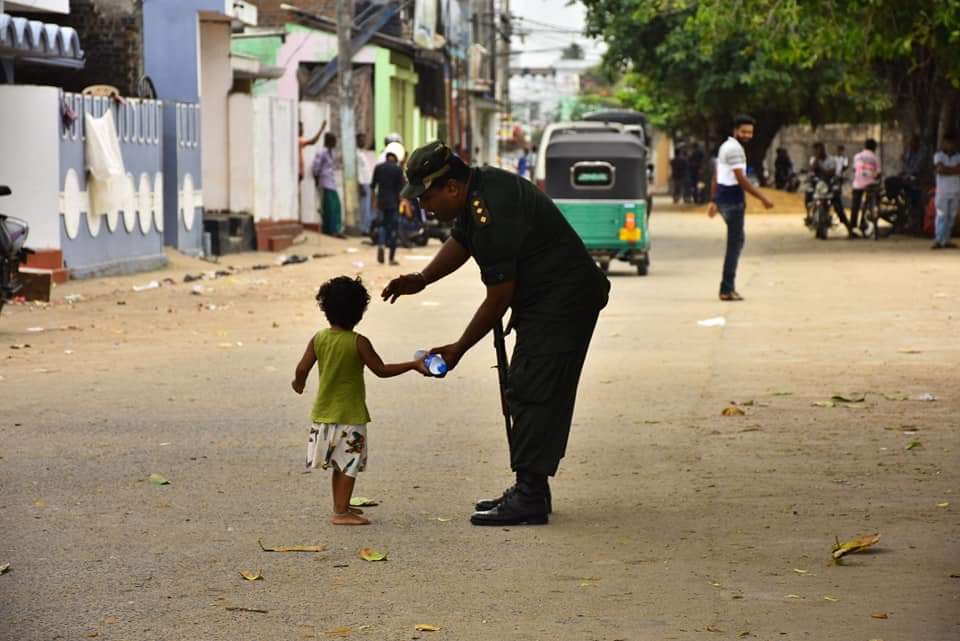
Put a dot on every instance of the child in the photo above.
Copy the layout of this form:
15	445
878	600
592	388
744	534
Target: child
338	436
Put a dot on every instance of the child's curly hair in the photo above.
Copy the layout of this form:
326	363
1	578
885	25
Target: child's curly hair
343	300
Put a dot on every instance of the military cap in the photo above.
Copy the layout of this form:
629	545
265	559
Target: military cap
424	166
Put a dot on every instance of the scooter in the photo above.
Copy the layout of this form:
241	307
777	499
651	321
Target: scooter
13	235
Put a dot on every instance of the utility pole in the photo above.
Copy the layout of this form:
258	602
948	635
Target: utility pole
348	142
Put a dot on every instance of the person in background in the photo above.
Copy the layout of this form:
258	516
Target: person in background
694	168
364	178
387	182
946	163
866	172
782	169
324	167
917	170
728	198
824	167
522	163
678	173
843	163
303	142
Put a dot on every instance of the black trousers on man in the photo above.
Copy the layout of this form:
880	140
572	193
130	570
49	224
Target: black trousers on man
541	396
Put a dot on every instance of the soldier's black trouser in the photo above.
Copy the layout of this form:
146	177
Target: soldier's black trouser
541	395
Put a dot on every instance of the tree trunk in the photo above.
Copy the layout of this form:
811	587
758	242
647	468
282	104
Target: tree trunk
768	126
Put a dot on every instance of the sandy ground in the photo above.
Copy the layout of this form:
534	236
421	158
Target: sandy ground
672	521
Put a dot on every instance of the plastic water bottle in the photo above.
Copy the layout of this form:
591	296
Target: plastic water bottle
434	362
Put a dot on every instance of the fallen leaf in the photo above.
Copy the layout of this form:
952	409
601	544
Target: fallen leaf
793	596
588	585
733	410
824	404
909	350
783	394
710	628
369	554
857	398
829	598
799	571
292	548
250	576
442	520
745	633
914	445
426	627
362	501
944	504
854	545
340	632
879	615
715	584
927	397
4	568
235	608
158	479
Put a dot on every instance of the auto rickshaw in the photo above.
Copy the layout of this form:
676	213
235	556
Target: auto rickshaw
598	179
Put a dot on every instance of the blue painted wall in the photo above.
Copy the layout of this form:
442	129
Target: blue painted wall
170	46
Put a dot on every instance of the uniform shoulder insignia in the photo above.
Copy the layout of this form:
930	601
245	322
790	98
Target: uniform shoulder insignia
478	209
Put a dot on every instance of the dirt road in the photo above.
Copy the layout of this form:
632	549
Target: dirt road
671	521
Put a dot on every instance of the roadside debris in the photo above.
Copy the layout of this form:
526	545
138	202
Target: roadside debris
718	321
291	548
426	627
4	568
293	259
733	410
369	554
362	501
854	545
879	615
153	284
235	608
251	576
912	445
70	299
158	479
927	397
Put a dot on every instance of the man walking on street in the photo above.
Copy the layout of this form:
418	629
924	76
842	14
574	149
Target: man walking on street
946	163
678	174
728	189
532	261
387	182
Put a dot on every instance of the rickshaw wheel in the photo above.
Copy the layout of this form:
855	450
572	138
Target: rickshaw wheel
643	268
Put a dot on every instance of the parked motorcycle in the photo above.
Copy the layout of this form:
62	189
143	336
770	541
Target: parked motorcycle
819	198
416	231
13	235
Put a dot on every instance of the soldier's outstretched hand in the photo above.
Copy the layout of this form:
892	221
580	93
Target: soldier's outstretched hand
403	286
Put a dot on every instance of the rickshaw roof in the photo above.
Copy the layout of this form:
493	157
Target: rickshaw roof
599	145
622	116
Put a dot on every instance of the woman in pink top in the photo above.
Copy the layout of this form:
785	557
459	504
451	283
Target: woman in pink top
866	172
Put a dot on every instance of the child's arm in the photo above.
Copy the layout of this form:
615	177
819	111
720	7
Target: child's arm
303	368
376	365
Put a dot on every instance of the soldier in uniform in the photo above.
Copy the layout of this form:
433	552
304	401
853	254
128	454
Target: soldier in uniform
533	262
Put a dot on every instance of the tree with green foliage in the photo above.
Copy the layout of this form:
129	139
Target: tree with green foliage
693	64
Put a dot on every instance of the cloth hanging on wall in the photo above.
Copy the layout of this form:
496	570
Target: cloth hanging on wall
104	164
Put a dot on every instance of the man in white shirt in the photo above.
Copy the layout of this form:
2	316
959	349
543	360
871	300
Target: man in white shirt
946	163
728	190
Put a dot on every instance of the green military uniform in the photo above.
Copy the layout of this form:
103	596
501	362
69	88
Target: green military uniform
515	233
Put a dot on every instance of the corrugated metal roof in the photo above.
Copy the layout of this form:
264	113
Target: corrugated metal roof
20	37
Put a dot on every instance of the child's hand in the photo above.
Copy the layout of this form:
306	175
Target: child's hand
298	386
421	367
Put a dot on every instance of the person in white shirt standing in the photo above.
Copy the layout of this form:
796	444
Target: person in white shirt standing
728	197
946	163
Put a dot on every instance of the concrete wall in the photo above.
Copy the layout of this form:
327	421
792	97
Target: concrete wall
30	162
216	80
53	6
171	44
799	139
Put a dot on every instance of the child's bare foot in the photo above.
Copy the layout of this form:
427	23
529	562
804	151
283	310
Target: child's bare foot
354	510
349	518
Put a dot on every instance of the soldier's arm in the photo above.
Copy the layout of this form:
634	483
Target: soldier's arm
450	258
492	309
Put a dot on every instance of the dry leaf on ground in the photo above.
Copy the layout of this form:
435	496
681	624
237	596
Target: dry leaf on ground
237	608
733	410
829	598
944	504
854	545
853	398
292	548
799	571
250	576
362	501
912	445
4	568
879	615
426	627
158	479
369	554
340	632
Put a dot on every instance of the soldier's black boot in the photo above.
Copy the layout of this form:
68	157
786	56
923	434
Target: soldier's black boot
488	504
525	505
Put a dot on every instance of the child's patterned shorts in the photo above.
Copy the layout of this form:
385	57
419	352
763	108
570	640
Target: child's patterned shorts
343	447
